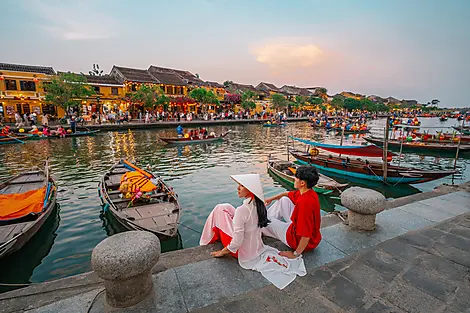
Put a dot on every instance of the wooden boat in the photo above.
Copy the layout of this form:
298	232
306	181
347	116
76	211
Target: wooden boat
373	171
187	141
274	124
281	171
443	118
158	214
464	130
420	146
365	150
34	194
76	134
12	139
448	138
363	131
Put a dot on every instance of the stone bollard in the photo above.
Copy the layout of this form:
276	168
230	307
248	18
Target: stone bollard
363	205
124	261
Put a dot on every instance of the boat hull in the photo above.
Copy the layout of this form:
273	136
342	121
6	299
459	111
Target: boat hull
423	148
339	167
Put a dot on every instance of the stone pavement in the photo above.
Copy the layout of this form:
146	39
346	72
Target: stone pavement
418	260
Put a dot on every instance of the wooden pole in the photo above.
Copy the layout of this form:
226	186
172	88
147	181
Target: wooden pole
401	147
287	145
385	150
457	153
342	137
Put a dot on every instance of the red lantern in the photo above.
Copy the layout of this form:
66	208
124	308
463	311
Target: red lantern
35	80
2	78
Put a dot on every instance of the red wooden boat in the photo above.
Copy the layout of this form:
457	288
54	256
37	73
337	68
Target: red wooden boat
447	138
187	141
373	171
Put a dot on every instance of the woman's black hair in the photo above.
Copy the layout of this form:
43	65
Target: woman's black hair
262	213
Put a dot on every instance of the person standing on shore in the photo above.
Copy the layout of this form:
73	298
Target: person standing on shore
295	217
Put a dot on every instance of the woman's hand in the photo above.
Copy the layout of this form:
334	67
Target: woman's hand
220	253
268	201
287	254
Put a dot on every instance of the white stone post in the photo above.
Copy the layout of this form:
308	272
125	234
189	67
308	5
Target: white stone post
363	205
124	261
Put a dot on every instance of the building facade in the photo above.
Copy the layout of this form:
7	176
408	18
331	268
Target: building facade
22	90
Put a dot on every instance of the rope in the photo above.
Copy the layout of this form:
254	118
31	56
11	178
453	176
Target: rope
93	300
196	231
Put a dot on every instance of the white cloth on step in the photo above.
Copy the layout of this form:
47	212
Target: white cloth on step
241	225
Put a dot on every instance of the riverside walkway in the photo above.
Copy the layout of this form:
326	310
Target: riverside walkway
418	260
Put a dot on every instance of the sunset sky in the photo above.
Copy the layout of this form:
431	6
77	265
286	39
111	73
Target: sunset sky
408	49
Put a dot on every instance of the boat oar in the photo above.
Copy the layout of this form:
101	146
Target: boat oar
15	139
47	195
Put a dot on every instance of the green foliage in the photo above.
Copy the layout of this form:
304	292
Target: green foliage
315	100
352	104
227	83
337	102
204	97
323	91
67	89
279	101
299	101
149	96
248	101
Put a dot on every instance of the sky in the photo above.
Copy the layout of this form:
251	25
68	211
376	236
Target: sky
408	49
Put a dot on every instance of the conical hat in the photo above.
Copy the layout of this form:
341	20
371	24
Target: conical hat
252	182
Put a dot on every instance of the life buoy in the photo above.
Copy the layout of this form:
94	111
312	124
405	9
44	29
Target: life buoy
314	152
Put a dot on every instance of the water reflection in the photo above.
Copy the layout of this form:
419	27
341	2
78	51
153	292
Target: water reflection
199	173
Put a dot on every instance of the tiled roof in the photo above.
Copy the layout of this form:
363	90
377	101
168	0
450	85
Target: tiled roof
136	75
166	76
214	84
293	90
27	68
104	79
267	87
234	87
186	76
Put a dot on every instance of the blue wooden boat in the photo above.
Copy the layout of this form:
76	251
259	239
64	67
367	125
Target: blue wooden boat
274	124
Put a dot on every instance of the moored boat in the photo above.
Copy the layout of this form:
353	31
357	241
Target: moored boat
5	140
464	130
26	201
139	200
350	131
76	134
189	140
274	124
366	170
283	172
444	138
420	146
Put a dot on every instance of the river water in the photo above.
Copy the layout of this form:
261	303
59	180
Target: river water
200	174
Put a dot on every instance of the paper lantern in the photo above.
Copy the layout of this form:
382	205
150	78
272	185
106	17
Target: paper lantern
69	131
21	130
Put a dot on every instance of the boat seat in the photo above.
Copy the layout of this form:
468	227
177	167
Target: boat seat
119	200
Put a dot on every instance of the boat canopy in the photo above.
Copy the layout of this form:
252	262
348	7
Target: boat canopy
365	151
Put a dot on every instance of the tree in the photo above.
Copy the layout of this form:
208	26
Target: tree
352	104
315	100
248	100
204	97
232	98
435	102
149	97
337	102
96	70
279	101
300	101
67	89
227	83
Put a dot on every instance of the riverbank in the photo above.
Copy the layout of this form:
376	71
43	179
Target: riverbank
166	124
414	261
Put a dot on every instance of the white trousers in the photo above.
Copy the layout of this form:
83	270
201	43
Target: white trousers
279	214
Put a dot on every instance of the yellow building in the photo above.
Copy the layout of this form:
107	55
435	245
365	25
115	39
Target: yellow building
22	90
110	95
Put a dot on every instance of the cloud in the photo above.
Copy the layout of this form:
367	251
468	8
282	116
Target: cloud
285	55
74	20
